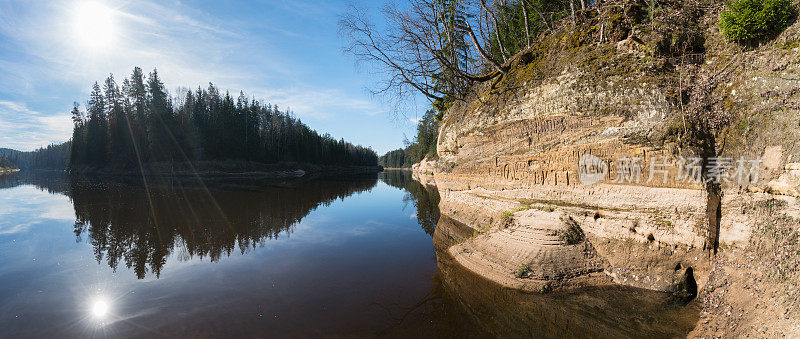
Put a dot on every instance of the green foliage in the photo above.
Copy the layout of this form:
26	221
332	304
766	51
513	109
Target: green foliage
424	144
751	21
522	271
427	136
511	23
441	106
141	123
52	157
450	20
96	125
395	159
6	164
506	215
768	205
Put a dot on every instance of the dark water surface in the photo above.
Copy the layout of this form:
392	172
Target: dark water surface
355	257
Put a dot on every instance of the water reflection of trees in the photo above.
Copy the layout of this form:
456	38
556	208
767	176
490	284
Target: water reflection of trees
50	181
425	200
191	222
127	225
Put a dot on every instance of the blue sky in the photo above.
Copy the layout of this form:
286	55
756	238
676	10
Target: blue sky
284	52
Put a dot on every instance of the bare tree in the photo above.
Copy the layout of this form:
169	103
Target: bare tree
443	47
426	47
527	25
491	14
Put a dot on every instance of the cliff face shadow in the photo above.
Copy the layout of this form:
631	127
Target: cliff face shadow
606	312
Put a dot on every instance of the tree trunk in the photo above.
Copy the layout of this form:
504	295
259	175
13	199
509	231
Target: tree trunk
541	16
527	26
496	31
602	27
482	52
572	9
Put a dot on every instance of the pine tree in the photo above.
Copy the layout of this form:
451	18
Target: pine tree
160	122
97	128
137	95
78	152
139	125
120	147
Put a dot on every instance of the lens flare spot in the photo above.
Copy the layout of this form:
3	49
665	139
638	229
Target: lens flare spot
100	308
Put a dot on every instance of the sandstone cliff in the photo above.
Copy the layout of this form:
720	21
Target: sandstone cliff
513	165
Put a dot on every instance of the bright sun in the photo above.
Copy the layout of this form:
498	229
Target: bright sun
94	25
99	308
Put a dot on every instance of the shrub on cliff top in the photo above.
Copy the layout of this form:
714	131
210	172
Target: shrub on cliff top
750	21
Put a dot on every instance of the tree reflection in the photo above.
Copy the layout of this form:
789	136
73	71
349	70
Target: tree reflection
141	227
425	200
194	222
50	181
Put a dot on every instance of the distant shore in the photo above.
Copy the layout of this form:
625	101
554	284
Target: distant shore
4	171
233	172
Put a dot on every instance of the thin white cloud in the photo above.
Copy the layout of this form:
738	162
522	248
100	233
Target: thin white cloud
318	103
31	129
16	107
189	47
184	44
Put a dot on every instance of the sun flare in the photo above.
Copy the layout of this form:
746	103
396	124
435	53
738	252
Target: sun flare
94	24
100	308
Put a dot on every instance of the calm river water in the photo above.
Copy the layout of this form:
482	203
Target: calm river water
355	257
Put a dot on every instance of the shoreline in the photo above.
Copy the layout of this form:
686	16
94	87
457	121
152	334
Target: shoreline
227	174
6	171
517	239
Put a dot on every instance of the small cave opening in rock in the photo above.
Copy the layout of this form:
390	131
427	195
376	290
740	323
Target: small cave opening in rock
691	284
686	289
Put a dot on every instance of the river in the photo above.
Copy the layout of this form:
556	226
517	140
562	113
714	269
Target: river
350	257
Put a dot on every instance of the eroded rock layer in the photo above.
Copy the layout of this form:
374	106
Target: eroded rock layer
646	216
579	167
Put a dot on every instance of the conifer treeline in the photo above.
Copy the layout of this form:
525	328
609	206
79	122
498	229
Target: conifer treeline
140	121
51	157
5	164
424	144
